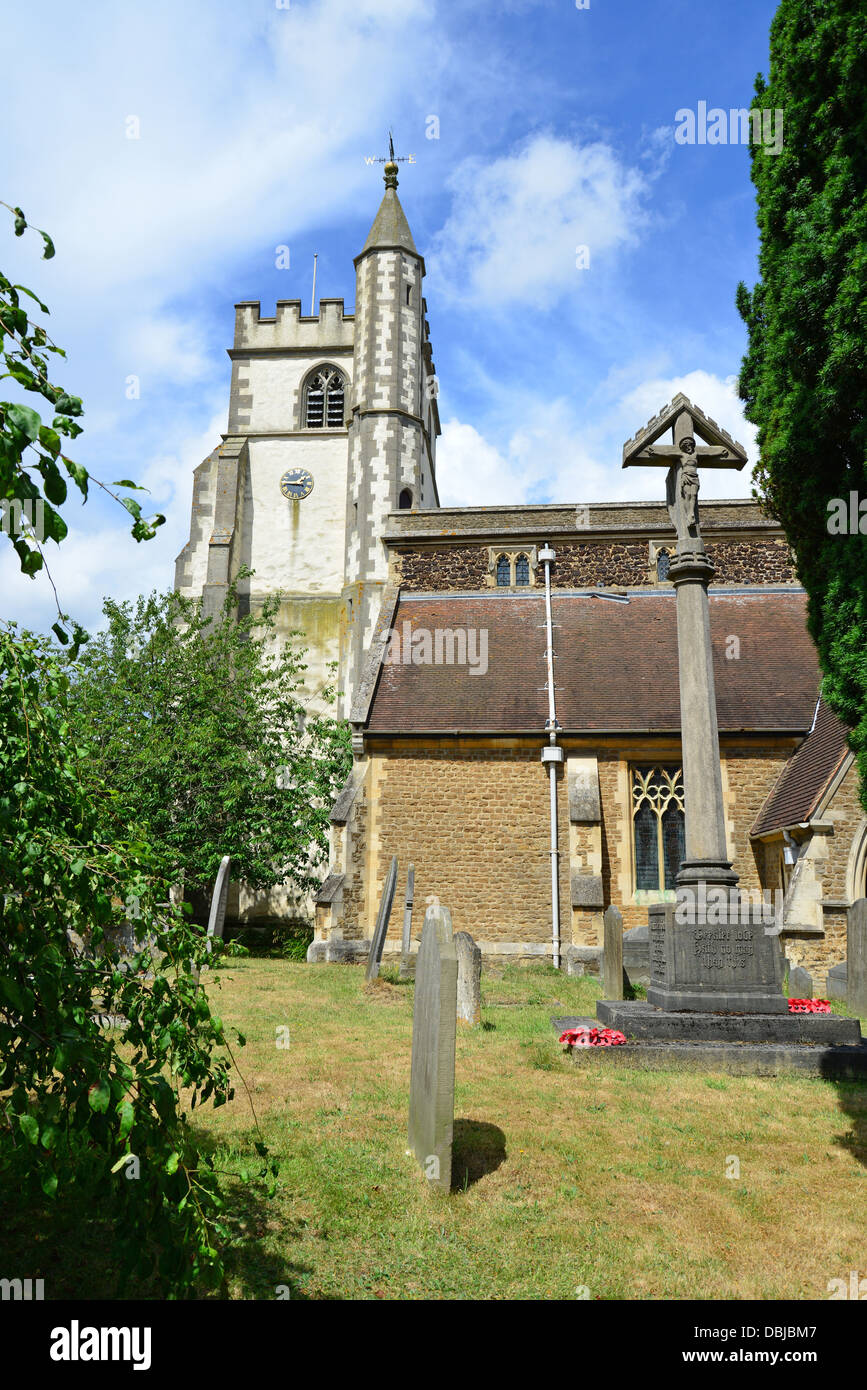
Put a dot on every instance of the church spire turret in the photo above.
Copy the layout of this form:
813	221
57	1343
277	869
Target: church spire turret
394	418
390	228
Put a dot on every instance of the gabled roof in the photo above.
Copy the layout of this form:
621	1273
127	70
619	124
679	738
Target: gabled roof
800	787
706	429
615	666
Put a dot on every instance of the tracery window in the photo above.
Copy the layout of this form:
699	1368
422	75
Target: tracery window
658	826
522	570
504	571
323	404
663	564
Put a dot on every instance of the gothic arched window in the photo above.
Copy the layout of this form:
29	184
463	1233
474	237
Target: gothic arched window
323	400
522	570
663	564
404	502
658	826
504	571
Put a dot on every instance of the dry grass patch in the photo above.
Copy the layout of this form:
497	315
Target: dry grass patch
566	1177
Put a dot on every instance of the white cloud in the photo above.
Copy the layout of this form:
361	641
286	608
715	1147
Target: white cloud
517	223
554	452
102	559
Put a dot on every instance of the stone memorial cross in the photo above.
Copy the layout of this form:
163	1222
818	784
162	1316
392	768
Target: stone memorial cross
706	857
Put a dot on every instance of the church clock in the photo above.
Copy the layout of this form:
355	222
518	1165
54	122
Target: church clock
296	484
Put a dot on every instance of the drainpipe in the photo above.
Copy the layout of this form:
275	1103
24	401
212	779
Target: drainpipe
552	755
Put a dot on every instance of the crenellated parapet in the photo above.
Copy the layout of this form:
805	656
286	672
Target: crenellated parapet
328	330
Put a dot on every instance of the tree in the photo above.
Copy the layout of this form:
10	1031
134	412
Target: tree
32	486
77	1108
200	728
804	377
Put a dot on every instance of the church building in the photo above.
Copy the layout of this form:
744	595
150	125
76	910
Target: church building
511	673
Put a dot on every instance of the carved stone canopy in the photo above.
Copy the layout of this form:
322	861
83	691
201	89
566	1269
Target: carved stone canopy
724	452
683	457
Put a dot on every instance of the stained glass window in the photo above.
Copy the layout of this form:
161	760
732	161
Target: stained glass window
522	570
504	571
658	826
663	564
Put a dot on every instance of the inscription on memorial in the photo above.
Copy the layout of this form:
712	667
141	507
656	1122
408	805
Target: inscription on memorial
723	948
657	950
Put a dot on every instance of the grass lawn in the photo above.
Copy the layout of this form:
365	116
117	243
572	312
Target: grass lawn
612	1182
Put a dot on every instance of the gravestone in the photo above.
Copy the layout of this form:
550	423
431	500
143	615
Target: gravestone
800	983
636	955
381	928
613	957
469	1005
218	900
837	984
856	957
406	939
432	1077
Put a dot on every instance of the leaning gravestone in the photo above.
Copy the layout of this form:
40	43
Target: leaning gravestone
856	958
613	958
381	928
469	1005
406	939
432	1078
218	901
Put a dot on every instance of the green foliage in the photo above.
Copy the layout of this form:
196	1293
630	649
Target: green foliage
200	729
76	1099
804	378
32	484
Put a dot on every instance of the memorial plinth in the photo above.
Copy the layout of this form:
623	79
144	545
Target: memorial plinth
712	965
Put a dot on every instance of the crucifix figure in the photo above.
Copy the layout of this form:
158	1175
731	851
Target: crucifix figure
683	457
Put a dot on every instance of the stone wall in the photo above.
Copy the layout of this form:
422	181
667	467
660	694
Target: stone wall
580	565
473	818
476	826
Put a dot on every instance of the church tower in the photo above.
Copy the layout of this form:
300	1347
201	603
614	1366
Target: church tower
332	424
394	419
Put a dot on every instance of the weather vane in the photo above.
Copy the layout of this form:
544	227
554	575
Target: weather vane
391	157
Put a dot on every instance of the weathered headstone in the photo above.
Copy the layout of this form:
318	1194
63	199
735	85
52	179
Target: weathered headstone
837	983
381	928
856	958
469	1004
217	914
613	956
800	983
406	939
432	1078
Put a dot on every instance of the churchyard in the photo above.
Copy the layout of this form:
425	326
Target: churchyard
563	1179
568	1182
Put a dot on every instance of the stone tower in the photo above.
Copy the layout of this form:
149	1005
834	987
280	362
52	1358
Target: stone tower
300	487
394	419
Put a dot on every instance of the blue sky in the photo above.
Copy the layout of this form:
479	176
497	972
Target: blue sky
555	131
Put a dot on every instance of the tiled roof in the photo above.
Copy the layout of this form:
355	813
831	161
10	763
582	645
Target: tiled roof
615	665
799	788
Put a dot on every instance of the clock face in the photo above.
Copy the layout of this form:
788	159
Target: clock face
297	483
